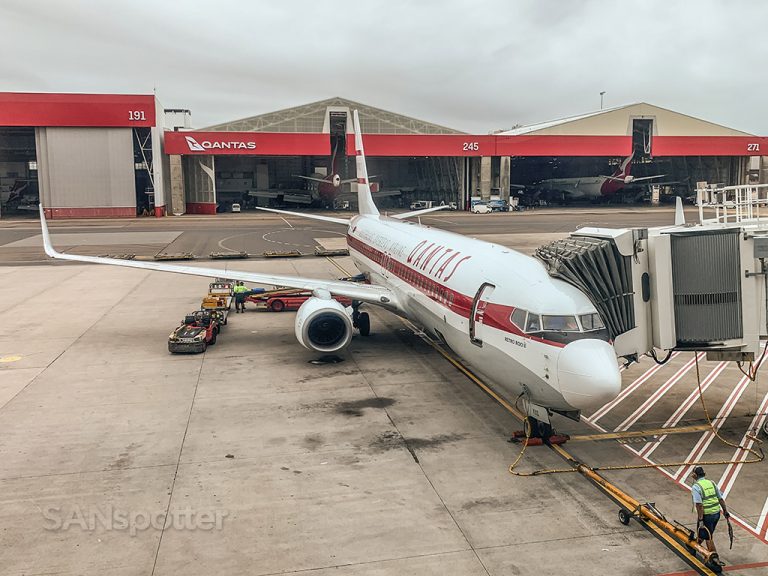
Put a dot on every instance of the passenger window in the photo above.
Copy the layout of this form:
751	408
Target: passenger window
591	322
560	323
532	324
518	318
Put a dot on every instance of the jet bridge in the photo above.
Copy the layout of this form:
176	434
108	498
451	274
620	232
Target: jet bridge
696	287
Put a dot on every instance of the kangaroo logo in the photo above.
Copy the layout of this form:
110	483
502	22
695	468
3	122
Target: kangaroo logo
193	144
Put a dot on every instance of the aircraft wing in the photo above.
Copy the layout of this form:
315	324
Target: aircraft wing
364	292
647	178
412	213
350	180
377	194
311	179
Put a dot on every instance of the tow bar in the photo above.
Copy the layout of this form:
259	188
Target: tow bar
676	536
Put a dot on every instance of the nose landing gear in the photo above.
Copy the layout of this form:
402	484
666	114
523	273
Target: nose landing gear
535	433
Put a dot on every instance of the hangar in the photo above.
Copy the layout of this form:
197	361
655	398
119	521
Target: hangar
264	158
83	155
100	155
680	149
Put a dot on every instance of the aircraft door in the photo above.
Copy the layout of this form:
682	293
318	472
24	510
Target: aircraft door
477	314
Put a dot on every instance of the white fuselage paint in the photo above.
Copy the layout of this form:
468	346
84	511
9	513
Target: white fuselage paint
589	187
388	250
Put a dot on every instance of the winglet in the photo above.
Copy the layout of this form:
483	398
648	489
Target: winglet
46	237
679	214
365	203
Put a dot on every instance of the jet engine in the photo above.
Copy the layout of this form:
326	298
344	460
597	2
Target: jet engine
323	325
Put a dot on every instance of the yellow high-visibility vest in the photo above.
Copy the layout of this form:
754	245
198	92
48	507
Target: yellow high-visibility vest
709	500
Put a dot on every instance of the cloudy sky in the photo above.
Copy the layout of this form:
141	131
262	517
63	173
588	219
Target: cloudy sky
473	65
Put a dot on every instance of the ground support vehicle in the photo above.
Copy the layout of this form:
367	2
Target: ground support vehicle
218	301
281	299
198	331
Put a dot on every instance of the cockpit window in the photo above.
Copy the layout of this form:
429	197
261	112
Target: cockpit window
591	322
518	318
532	324
560	323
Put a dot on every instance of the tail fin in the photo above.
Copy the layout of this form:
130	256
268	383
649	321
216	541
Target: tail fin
679	213
365	203
625	167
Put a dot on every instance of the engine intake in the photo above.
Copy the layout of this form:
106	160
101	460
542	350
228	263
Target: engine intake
323	325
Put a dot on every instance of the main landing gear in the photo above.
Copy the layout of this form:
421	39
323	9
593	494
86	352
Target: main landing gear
361	320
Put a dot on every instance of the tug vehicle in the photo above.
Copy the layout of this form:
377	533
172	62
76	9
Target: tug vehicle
198	331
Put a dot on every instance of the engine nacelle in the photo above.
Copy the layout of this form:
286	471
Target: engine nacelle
323	325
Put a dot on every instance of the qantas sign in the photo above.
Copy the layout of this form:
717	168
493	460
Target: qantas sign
196	146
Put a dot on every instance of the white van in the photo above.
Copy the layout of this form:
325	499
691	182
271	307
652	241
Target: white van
480	208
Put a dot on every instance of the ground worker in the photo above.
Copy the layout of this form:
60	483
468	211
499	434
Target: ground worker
708	501
240	294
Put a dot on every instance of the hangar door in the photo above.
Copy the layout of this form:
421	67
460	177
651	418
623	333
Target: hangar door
86	168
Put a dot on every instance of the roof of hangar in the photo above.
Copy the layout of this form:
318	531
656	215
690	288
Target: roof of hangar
618	122
316	117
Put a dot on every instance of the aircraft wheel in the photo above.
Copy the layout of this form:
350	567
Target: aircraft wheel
364	324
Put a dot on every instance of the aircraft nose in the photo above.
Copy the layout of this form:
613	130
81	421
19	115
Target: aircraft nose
588	373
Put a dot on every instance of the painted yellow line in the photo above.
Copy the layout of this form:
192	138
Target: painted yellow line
609	489
641	433
346	274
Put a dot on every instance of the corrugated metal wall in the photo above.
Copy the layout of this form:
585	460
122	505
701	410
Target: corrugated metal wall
86	167
706	279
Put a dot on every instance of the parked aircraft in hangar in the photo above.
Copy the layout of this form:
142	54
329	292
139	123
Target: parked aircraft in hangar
591	187
323	189
534	337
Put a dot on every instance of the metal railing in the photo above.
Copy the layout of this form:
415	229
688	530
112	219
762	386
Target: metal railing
746	204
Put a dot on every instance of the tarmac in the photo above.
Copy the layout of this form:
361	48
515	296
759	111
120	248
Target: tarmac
120	458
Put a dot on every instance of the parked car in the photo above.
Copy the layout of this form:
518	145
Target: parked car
480	208
498	206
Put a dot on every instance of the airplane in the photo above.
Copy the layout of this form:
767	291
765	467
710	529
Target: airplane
591	187
328	186
536	338
324	190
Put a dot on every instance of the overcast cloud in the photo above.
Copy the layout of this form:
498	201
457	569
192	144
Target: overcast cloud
475	66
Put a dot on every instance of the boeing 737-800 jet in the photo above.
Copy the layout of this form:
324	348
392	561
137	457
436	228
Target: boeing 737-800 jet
592	187
531	335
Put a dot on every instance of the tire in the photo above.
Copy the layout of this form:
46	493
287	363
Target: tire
213	338
624	517
364	324
277	306
203	348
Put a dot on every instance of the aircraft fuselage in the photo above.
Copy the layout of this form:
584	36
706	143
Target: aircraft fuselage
464	292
